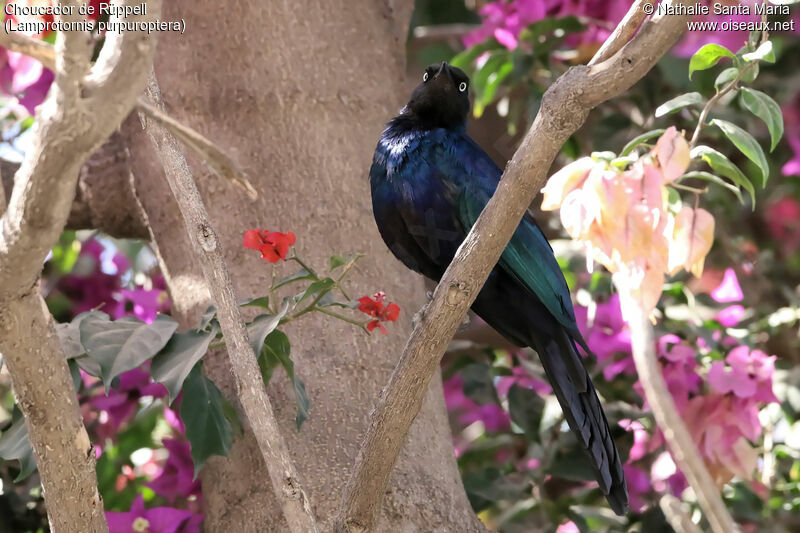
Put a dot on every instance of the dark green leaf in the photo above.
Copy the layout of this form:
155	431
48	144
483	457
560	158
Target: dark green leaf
124	344
263	325
722	165
679	102
321	286
526	408
300	275
75	374
202	412
708	56
726	76
491	86
764	107
715	179
172	364
262	301
534	32
14	444
763	53
276	352
746	144
329	300
487	486
478	385
636	141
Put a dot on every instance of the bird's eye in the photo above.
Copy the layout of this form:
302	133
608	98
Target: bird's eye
463	86
425	77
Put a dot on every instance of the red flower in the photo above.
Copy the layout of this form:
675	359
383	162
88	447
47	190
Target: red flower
374	307
273	245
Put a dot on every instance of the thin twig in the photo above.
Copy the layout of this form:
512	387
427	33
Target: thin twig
215	158
564	108
701	121
250	388
676	515
680	442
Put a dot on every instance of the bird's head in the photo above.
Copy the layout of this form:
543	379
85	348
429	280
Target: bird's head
442	99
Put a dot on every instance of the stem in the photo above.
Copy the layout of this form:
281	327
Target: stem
302	264
712	102
334	314
688	188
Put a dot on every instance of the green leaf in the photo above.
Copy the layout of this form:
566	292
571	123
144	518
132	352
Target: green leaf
14	444
679	102
75	374
483	82
337	260
465	59
636	141
746	144
321	286
490	88
208	316
478	385
276	352
124	344
764	107
70	336
263	325
172	364
301	274
535	31
526	409
726	76
261	301
762	53
722	165
708	56
699	174
203	414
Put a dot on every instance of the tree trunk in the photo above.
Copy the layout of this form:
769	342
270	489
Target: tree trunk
297	94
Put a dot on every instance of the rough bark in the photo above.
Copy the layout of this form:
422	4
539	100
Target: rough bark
297	94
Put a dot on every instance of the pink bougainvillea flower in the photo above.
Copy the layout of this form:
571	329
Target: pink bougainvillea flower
749	374
375	307
728	290
176	480
142	303
692	238
568	527
672	154
493	417
155	520
731	315
122	401
608	337
273	245
520	377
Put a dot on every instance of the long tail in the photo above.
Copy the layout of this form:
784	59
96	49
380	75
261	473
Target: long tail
576	394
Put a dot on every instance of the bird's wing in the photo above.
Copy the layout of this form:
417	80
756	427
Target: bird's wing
528	258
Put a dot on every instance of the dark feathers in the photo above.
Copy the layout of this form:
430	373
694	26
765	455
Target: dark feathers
429	183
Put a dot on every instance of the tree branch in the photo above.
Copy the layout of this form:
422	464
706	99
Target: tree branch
250	388
683	449
35	48
564	108
69	127
622	33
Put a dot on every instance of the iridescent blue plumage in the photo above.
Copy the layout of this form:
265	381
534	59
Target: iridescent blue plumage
429	183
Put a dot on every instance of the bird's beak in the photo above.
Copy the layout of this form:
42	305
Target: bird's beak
442	68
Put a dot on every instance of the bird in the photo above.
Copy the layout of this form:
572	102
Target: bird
429	181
